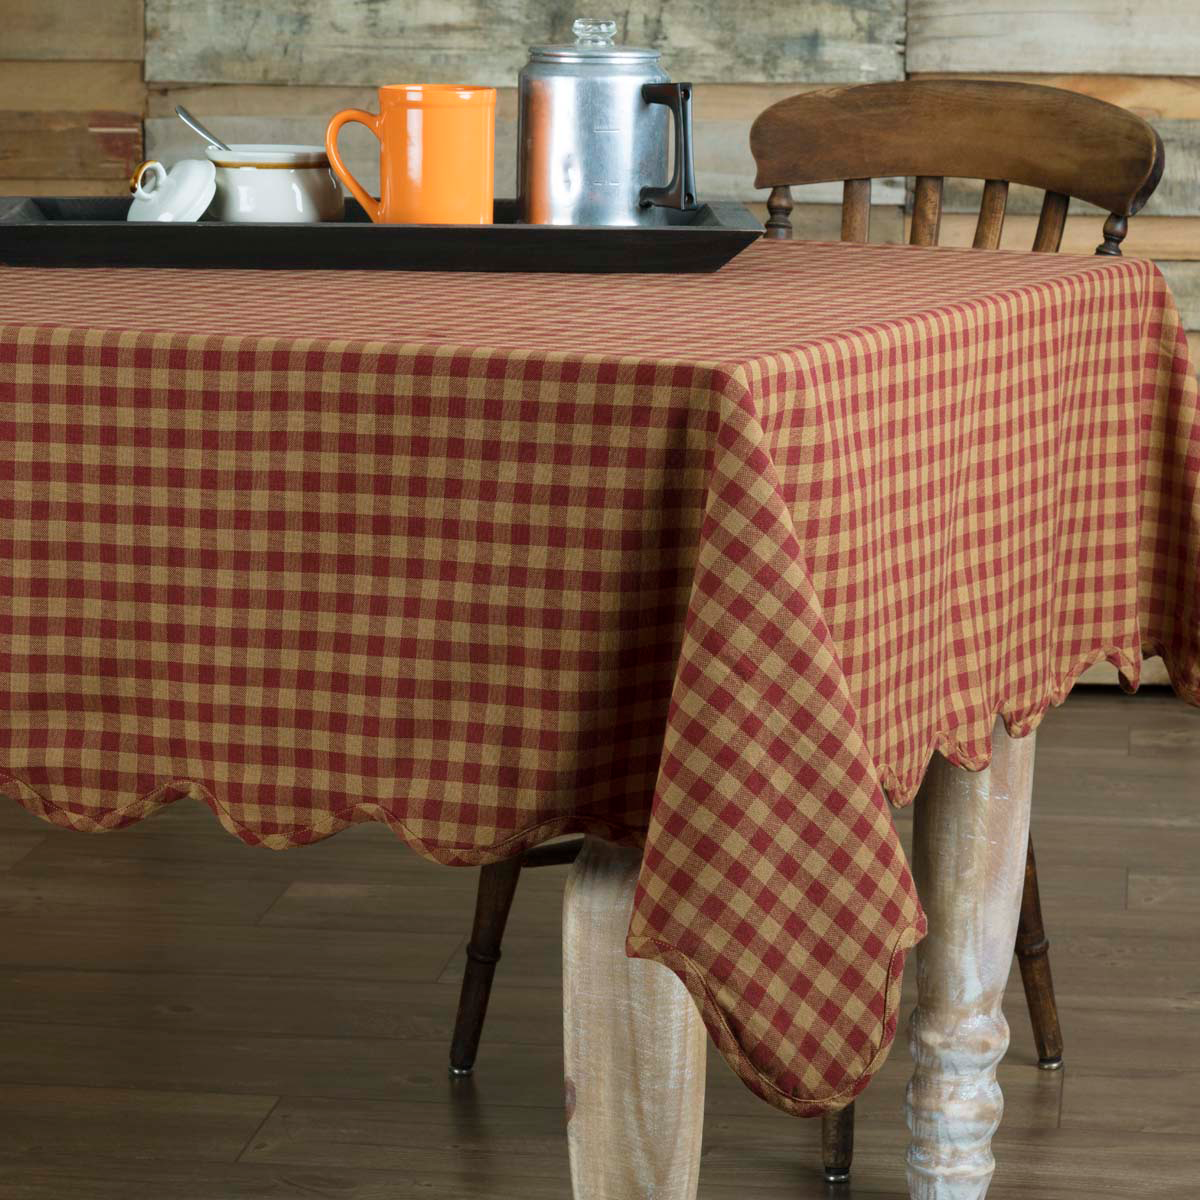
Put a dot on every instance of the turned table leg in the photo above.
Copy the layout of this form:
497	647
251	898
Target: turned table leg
634	1044
970	832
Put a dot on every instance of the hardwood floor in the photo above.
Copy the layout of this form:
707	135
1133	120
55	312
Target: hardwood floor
185	1018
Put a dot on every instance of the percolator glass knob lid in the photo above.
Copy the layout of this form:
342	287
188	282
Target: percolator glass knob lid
589	31
594	45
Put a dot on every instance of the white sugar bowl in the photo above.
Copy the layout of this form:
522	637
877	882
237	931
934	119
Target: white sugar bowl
275	183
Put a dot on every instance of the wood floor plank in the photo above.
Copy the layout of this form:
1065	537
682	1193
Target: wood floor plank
340	905
1152	792
1071	887
383	1135
16	846
1089	705
63	897
1118	965
1136	847
1045	1165
1156	892
391	1136
1158	1103
1048	1168
1181	742
65	1124
1102	727
381	1009
333	1067
156	1060
151	944
1130	1044
187	1180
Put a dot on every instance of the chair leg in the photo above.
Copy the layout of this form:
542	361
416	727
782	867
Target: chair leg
1033	957
497	886
837	1144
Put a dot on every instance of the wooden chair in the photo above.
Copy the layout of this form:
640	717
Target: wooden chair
1069	145
1001	133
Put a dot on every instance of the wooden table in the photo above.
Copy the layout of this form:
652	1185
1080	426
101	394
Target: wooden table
712	564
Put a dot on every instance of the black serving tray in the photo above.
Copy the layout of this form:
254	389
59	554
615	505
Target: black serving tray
48	231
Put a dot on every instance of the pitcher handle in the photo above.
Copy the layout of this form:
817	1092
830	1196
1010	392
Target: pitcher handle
371	121
681	191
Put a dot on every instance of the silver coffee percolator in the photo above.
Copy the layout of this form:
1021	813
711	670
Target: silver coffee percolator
594	134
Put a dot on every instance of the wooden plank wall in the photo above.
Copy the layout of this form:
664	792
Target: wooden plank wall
72	98
74	107
449	41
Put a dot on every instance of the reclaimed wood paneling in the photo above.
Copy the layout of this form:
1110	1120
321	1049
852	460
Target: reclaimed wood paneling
63	187
1178	195
1149	237
1184	280
1167	96
1153	37
79	86
723	115
70	122
823	222
73	29
460	41
69	145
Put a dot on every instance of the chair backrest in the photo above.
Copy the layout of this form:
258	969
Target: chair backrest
1066	143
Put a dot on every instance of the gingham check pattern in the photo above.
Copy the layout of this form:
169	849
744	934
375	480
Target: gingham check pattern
709	562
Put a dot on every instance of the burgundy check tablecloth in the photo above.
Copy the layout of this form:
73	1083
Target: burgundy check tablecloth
711	563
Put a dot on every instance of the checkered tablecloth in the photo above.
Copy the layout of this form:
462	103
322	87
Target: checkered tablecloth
715	563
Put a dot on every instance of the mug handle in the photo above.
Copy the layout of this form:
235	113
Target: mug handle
371	121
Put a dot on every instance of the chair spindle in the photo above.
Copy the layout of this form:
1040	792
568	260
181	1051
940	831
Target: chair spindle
497	886
1033	956
927	210
991	215
856	210
1115	229
779	205
1051	223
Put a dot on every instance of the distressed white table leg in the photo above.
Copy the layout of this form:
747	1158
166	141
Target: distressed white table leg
969	841
635	1046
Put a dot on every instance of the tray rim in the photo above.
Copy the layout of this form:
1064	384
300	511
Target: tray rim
40	239
744	221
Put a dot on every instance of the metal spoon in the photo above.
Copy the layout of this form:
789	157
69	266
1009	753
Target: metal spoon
210	137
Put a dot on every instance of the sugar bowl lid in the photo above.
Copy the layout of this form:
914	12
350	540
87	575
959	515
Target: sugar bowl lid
593	44
181	194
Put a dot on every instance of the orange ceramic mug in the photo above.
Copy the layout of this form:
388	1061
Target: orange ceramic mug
437	150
